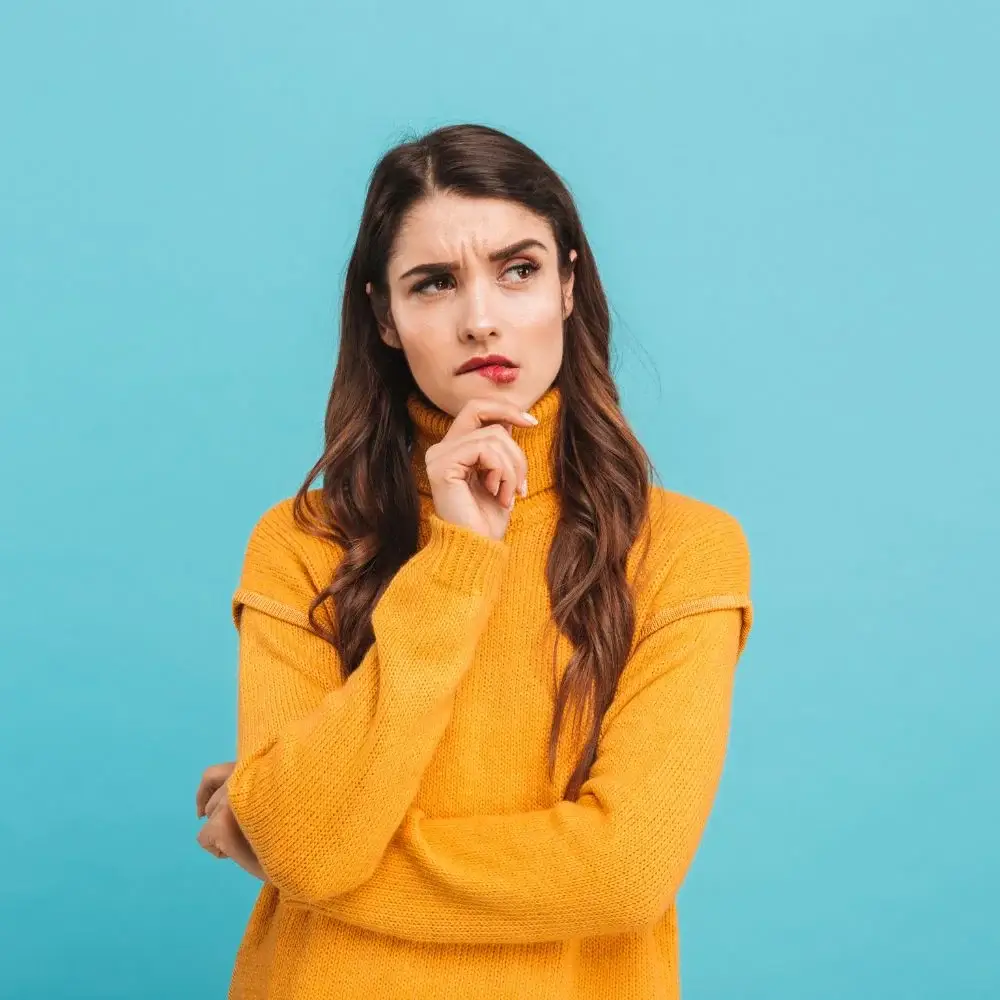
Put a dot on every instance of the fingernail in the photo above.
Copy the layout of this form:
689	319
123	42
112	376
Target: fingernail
524	487
528	416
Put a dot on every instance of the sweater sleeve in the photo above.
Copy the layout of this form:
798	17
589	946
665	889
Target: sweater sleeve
326	769
613	860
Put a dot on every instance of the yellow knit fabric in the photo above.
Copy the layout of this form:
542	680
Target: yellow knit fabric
414	845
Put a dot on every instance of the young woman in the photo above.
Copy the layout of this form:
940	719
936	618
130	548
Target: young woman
487	555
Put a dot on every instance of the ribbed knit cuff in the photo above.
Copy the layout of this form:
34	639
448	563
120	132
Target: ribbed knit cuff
463	559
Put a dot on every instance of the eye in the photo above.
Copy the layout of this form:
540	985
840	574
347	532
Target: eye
431	283
525	269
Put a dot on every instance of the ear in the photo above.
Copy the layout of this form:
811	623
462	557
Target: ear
387	335
567	288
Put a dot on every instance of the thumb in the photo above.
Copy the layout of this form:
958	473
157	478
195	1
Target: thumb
213	802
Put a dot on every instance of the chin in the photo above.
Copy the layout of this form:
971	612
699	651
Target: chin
465	388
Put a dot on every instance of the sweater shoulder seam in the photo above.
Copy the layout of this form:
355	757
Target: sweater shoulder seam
276	609
695	606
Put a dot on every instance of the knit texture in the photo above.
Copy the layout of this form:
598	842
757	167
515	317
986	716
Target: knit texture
414	844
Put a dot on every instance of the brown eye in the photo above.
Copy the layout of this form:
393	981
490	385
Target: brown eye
431	283
524	268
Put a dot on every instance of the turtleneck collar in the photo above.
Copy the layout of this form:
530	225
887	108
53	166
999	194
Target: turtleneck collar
431	424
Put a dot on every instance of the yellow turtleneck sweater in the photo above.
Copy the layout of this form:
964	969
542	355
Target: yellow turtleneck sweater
413	843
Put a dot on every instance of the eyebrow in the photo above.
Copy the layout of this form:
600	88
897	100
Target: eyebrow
508	251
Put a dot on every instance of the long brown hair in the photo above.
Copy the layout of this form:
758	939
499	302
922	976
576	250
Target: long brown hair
370	502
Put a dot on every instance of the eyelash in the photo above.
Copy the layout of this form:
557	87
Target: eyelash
428	282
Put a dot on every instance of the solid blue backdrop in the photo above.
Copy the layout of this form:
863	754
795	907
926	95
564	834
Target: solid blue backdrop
795	213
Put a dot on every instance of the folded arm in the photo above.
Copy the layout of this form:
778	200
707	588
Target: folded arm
327	769
608	863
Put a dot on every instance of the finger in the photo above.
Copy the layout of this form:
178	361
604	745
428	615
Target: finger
514	465
472	459
205	792
499	469
480	458
211	778
492	481
213	802
492	478
517	457
207	839
478	412
501	437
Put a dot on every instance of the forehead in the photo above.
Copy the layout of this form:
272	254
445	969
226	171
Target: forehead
448	227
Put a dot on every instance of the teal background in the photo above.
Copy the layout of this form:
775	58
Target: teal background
795	211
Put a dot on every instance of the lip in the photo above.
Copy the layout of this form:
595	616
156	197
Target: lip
497	374
483	361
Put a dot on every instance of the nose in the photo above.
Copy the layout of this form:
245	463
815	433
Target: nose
479	321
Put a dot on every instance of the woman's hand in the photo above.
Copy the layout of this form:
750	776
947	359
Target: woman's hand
211	781
476	468
221	834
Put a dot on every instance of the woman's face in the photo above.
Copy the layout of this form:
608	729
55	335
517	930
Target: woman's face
474	276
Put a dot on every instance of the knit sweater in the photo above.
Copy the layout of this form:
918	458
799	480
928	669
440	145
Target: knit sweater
414	844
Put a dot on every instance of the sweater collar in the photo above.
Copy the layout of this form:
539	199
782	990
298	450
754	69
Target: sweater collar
431	424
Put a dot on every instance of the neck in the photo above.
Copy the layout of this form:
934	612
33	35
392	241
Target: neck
431	424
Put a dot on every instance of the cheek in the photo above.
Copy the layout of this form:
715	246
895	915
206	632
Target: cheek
539	312
419	321
422	339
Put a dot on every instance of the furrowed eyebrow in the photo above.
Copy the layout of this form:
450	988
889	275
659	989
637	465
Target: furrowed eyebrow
497	255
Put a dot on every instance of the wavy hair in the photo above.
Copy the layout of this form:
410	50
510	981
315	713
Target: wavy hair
370	503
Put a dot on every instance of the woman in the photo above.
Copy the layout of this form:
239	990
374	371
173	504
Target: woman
487	551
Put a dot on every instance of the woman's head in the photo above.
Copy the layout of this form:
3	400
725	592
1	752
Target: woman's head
472	276
470	244
429	285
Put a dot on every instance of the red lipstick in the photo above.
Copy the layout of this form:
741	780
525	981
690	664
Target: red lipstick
497	368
